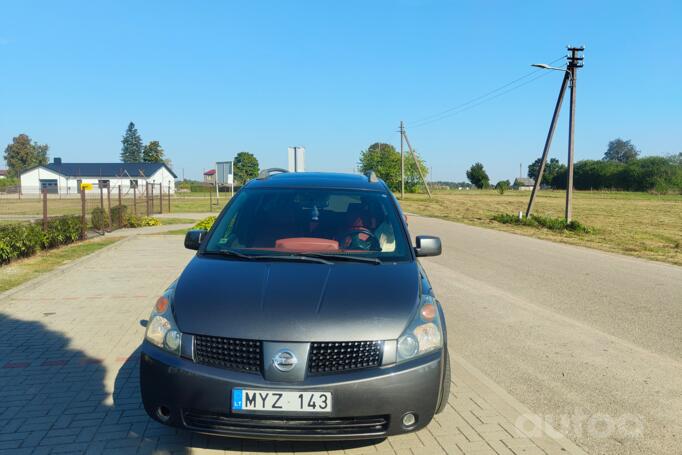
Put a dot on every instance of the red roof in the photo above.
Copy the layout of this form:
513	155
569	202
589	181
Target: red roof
210	172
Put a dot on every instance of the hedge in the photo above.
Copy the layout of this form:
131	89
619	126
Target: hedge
100	219
24	239
119	216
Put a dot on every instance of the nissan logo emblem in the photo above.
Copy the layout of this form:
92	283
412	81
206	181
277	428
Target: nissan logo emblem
284	360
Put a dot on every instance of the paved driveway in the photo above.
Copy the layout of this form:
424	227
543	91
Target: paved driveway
68	372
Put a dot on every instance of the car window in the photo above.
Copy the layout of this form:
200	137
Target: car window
327	221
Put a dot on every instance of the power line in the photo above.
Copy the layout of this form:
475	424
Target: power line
481	99
545	74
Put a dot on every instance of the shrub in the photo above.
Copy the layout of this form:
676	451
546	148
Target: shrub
502	186
134	221
100	219
206	223
553	224
61	231
24	239
19	240
119	216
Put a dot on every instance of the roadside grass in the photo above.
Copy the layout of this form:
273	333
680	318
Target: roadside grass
173	232
206	223
638	224
198	202
33	206
22	270
167	221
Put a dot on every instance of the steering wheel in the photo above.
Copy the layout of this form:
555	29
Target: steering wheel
360	238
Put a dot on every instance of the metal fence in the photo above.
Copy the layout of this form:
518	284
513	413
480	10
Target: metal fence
101	208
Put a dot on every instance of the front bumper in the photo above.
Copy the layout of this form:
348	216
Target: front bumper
367	403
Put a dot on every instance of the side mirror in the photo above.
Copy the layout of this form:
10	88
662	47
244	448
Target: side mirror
427	245
193	238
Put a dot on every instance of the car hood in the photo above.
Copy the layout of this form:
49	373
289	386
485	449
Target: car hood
287	301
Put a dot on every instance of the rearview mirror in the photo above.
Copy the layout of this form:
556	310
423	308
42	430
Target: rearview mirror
427	245
193	238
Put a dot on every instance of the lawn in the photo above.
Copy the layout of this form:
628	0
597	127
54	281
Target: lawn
637	224
180	203
22	270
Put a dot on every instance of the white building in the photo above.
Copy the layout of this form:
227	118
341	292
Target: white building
66	178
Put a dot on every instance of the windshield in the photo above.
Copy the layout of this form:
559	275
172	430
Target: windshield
312	221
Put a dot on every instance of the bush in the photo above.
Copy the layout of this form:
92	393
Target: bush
135	221
100	219
502	186
24	239
119	216
539	221
19	240
61	231
205	224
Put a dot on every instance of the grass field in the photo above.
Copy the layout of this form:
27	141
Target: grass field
181	203
22	270
637	224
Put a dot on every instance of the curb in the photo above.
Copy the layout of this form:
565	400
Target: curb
508	406
61	269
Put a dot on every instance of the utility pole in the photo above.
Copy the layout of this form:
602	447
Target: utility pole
402	162
575	61
548	144
416	163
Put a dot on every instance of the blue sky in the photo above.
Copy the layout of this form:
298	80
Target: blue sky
211	79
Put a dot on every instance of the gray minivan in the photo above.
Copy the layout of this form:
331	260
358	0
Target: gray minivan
304	314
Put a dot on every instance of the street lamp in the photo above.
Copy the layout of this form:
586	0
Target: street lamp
545	66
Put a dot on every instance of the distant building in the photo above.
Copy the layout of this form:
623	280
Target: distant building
523	184
209	176
3	173
66	178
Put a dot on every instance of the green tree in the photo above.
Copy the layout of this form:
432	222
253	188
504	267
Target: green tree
478	176
621	151
553	168
131	150
676	159
384	160
153	153
502	186
245	167
22	154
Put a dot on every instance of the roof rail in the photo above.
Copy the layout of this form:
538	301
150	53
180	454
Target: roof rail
265	173
371	177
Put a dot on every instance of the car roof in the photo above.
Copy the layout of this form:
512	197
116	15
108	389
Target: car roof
318	180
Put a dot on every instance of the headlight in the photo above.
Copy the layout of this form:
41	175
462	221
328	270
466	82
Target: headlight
161	328
424	334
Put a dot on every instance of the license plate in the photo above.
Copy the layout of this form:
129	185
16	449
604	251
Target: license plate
247	400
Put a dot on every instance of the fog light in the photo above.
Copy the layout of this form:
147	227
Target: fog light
409	420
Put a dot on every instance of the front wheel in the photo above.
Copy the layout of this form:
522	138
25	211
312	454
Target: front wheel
445	386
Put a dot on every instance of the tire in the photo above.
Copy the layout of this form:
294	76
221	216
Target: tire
445	386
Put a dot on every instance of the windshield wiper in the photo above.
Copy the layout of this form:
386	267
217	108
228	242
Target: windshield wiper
228	252
291	257
343	257
269	257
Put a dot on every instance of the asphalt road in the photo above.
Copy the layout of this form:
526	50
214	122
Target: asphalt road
591	341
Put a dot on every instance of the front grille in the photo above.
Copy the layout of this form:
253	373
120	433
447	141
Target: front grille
228	353
335	357
286	426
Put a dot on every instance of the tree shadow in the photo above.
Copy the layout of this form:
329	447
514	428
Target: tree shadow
54	398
